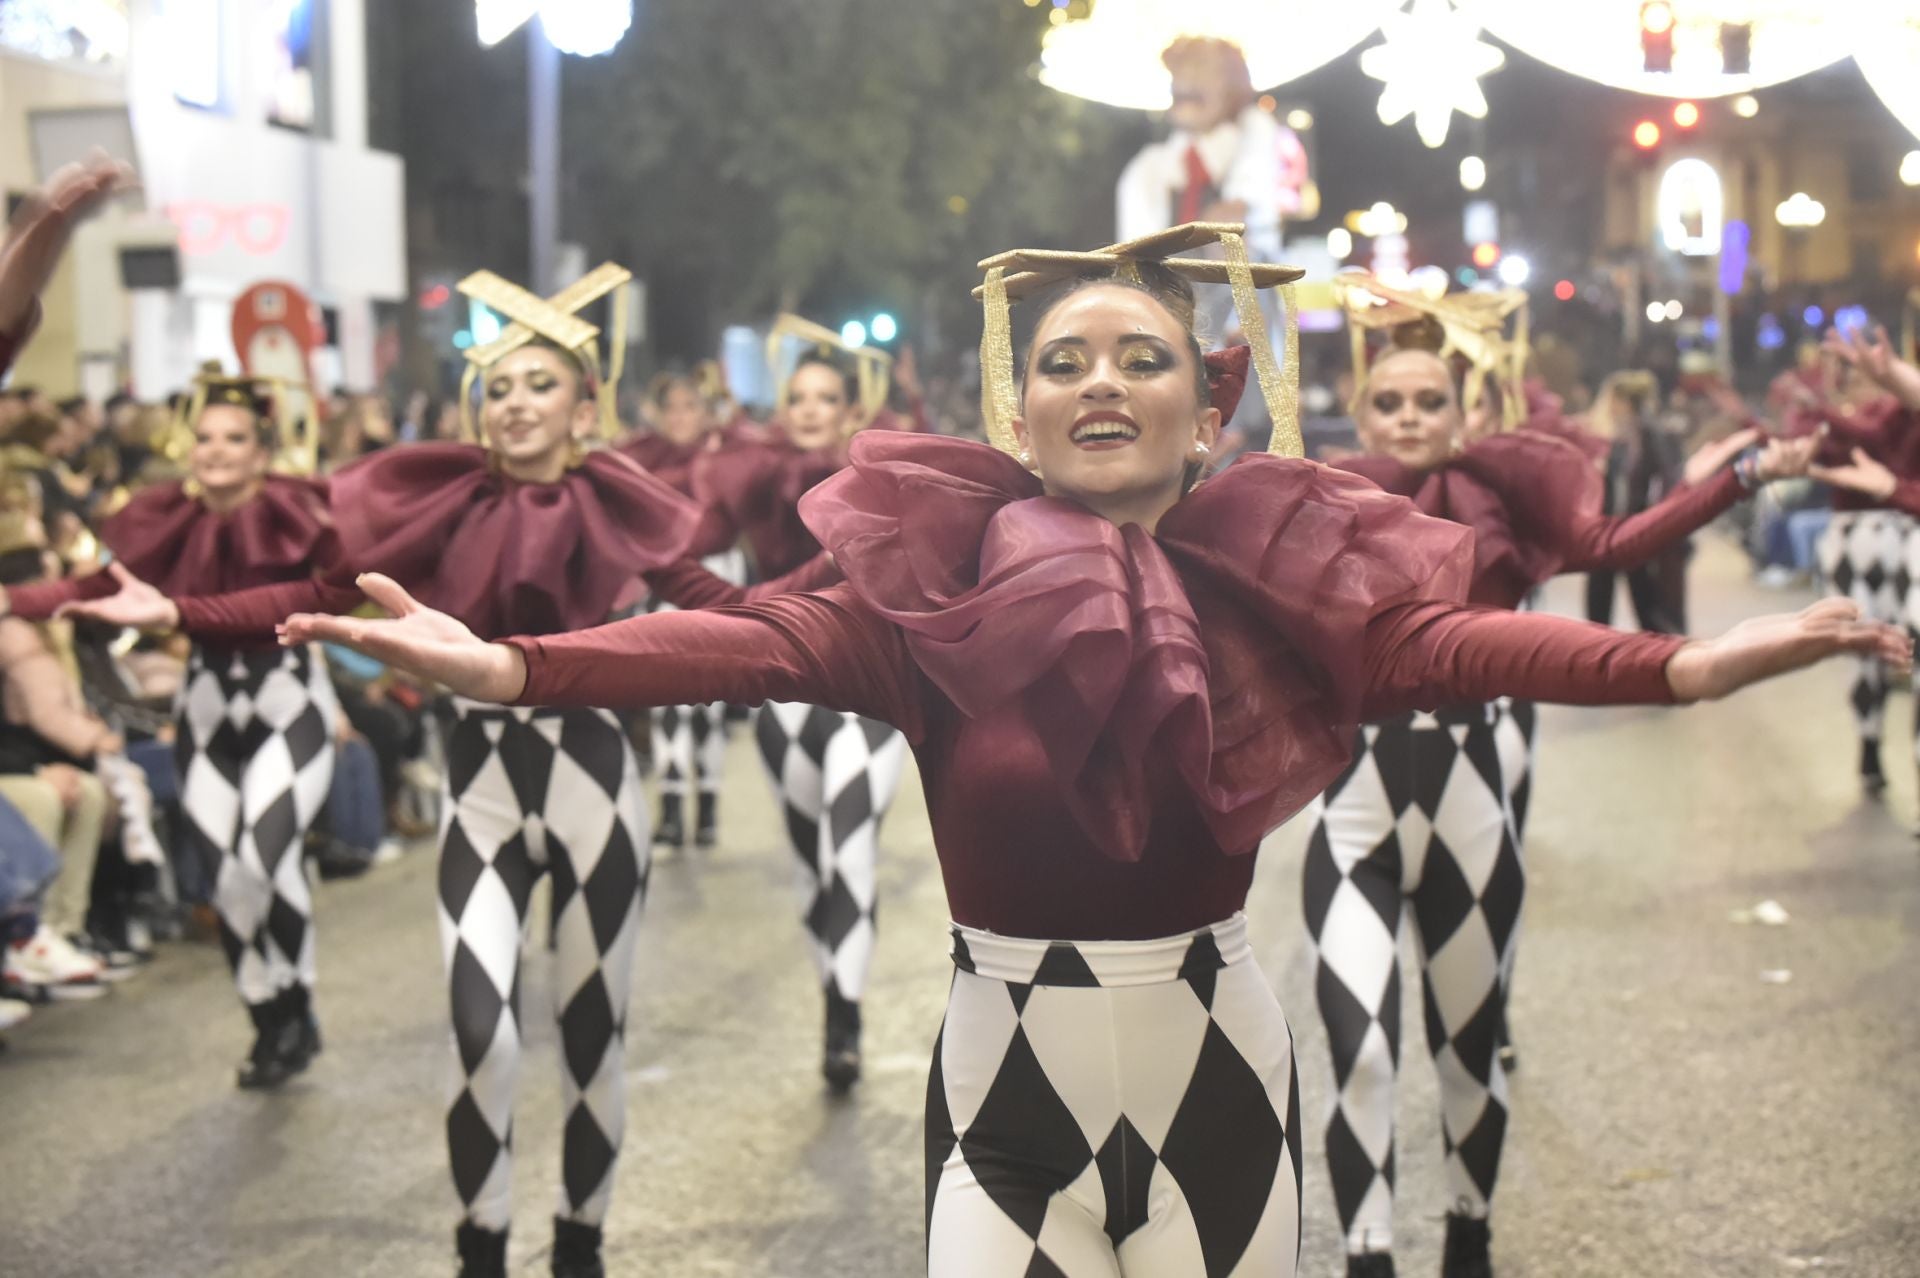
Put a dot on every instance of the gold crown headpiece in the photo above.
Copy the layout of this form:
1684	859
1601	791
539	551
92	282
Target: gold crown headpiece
873	367
555	319
1470	325
298	452
1025	271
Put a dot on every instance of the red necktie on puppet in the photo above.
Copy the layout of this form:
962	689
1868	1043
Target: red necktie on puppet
1199	182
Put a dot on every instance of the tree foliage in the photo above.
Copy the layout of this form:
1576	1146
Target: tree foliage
831	155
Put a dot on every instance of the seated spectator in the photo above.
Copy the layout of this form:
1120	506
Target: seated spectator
49	746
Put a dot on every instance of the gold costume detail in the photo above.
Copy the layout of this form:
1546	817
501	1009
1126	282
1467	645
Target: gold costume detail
1470	325
556	320
1022	272
873	367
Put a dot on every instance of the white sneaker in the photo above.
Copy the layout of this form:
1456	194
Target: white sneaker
12	1012
49	959
389	851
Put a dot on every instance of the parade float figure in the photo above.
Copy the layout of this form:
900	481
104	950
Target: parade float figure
1227	160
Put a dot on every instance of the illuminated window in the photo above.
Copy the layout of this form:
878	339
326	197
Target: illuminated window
195	65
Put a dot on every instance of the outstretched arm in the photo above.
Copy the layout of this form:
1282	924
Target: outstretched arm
688	585
37	237
1872	354
1423	655
242	614
1619	542
824	648
42	599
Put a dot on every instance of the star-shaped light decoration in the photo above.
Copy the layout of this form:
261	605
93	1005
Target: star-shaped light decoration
1431	65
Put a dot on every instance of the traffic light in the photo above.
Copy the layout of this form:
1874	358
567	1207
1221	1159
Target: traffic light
1656	35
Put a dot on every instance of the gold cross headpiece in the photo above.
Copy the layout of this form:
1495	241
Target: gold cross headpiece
269	397
1024	271
555	319
1470	325
873	367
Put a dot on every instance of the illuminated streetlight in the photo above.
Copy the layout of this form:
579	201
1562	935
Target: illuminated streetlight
1340	243
1646	135
1910	168
1800	212
885	328
1473	172
1746	106
1656	312
1686	115
854	333
1515	270
1382	219
1299	120
1673	310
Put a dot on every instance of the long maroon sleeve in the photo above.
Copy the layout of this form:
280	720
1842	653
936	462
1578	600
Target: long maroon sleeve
253	614
825	648
42	599
10	343
1627	541
1425	655
689	585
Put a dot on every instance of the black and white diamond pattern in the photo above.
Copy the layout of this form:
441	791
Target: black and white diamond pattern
837	774
1081	1126
1420	819
690	742
533	791
1871	557
255	757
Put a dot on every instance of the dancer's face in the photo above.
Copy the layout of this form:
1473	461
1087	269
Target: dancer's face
683	416
1410	411
817	412
535	407
1111	416
227	453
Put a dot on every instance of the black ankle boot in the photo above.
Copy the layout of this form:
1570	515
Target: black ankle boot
268	1061
672	830
706	831
1872	779
576	1250
841	1065
1372	1264
1466	1254
304	1038
483	1252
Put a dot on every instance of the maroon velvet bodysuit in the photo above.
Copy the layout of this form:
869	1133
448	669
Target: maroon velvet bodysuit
1107	721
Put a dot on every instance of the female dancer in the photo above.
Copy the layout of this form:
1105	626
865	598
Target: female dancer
1424	816
1871	547
1114	688
689	742
528	790
836	773
254	722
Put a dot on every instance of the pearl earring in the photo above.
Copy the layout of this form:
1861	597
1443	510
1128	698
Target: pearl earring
1026	458
1204	450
